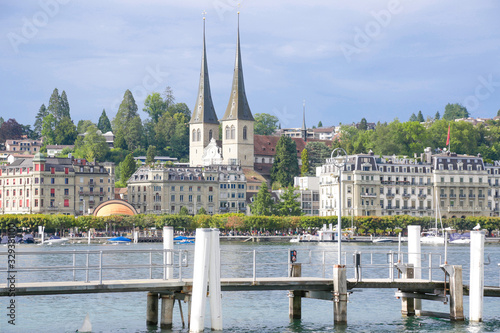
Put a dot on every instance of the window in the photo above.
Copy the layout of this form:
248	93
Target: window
210	134
172	198
66	181
66	191
66	202
244	132
198	135
52	180
52	192
181	198
52	170
233	131
66	170
227	133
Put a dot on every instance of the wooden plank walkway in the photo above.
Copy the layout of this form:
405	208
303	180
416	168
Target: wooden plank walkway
227	284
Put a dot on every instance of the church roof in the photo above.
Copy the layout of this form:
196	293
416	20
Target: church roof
204	111
238	108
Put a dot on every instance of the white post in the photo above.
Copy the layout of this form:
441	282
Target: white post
414	257
88	236
136	237
41	232
214	282
476	290
339	216
200	277
168	244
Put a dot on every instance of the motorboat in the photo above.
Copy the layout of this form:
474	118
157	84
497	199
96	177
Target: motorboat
325	234
460	238
28	239
184	240
382	240
119	240
55	240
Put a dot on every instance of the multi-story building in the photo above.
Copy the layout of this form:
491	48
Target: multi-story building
165	190
42	185
453	185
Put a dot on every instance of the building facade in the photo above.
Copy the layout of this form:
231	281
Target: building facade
447	185
42	185
165	190
23	146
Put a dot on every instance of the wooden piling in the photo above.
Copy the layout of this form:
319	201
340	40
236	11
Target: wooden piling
167	311
408	304
152	309
456	294
295	296
340	295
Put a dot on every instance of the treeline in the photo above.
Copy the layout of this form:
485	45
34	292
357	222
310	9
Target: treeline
364	224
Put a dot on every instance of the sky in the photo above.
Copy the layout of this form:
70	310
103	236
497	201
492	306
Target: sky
348	60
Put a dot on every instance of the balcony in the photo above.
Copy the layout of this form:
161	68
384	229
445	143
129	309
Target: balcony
453	195
422	196
442	195
481	196
390	195
406	195
472	195
369	195
52	208
387	182
462	196
92	183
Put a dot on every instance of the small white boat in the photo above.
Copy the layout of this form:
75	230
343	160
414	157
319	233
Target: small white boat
55	240
119	240
460	238
431	238
382	240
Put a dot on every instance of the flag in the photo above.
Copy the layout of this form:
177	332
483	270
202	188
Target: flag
448	138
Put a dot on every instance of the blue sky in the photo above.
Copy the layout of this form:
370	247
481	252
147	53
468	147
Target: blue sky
374	59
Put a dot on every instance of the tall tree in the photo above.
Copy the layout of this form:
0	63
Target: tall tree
363	125
127	124
262	203
1	121
104	125
127	168
288	204
134	133
304	168
164	131
285	165
82	126
48	130
437	116
413	117
94	145
64	106
180	141
320	124
150	155
154	106
10	130
181	108
317	153
420	117
42	113
455	111
54	107
265	124
168	97
65	132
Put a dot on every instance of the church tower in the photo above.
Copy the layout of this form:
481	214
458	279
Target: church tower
204	124
238	122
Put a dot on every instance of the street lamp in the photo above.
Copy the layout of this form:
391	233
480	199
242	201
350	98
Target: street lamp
339	159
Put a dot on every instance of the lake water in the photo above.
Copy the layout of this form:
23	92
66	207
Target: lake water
368	310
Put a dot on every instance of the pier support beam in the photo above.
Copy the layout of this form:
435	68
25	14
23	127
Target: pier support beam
456	294
152	309
340	295
295	296
168	246
200	279
214	282
415	258
476	291
167	311
408	304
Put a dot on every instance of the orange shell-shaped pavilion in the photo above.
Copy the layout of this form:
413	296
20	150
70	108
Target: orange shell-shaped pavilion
114	207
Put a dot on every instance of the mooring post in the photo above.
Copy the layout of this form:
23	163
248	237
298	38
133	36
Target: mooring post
476	289
200	279
408	304
168	247
214	282
295	296
415	258
339	295
167	311
152	309
456	294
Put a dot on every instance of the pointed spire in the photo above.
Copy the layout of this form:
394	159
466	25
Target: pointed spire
238	108
304	128
204	111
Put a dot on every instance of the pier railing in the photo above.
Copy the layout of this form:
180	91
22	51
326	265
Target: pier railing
66	265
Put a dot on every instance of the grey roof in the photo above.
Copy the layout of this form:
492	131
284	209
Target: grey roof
238	108
204	111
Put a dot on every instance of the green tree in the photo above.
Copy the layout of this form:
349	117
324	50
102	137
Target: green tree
265	124
65	132
104	125
180	108
317	152
42	113
82	126
455	111
154	106
134	134
183	211
304	168
10	129
202	211
48	130
151	154
179	144
413	117
64	106
54	107
262	204
168	97
437	116
94	145
320	124
126	118
363	125
288	204
420	117
127	168
285	166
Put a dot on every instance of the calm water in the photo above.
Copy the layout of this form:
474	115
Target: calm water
368	310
